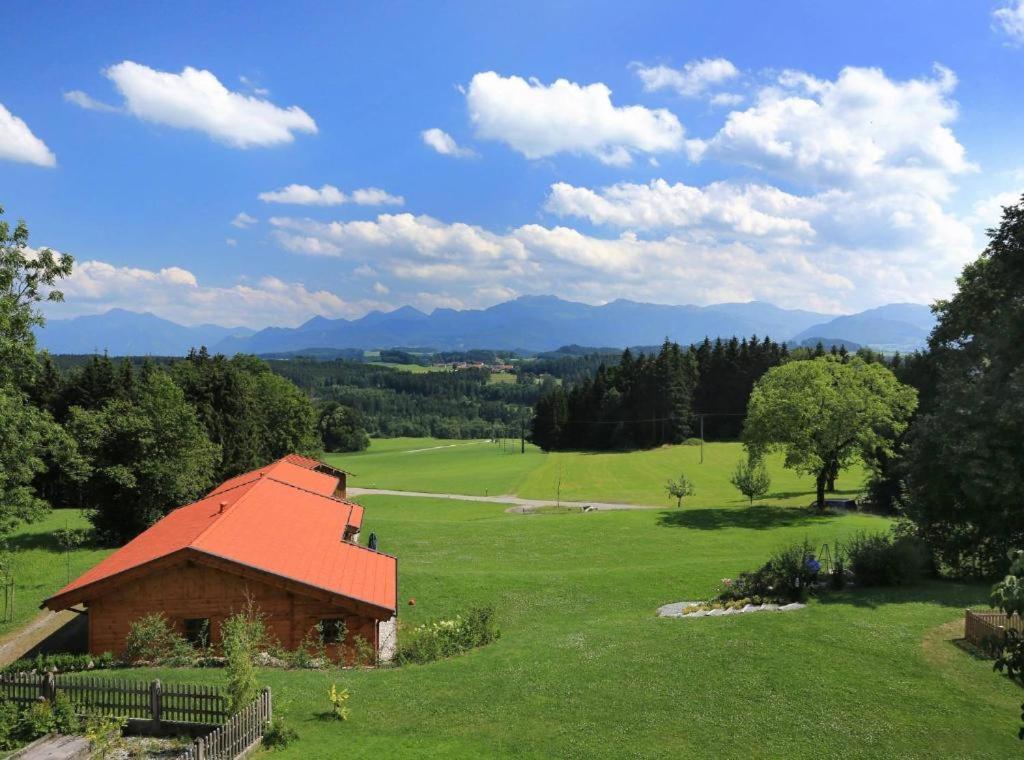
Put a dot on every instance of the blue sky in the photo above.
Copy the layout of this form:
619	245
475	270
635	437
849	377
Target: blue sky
821	155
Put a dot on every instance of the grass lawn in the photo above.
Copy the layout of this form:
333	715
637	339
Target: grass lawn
41	566
416	369
637	477
584	668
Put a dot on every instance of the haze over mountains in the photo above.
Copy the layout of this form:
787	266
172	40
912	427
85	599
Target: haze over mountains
529	323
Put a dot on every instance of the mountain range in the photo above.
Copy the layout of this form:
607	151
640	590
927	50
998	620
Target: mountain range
528	323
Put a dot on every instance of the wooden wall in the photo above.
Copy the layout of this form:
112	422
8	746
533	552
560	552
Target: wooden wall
192	590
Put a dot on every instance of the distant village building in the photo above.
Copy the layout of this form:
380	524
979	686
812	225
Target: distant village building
283	534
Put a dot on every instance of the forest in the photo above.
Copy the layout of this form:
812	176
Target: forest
651	399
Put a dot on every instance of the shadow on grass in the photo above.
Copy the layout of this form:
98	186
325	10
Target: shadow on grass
752	518
937	592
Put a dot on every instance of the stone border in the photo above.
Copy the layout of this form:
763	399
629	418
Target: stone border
675	610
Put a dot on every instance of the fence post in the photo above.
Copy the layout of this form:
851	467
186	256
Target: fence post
156	700
200	749
47	687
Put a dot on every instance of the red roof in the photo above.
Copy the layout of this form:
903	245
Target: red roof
266	524
289	472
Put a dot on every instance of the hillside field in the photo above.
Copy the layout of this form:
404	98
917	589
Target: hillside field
584	668
638	477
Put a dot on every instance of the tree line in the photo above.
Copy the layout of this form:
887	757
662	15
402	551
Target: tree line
391	402
126	442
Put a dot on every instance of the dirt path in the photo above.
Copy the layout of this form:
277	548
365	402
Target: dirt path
15	644
518	505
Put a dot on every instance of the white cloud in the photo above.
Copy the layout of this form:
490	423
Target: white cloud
861	130
232	242
541	120
17	143
381	289
830	252
750	210
374	196
1010	19
726	99
693	79
84	100
988	212
243	221
329	195
196	99
445	144
176	294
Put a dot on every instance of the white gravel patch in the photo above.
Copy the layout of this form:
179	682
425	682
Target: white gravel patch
676	609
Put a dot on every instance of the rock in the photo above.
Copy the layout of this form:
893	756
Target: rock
791	607
675	609
733	611
769	607
751	608
716	613
697	614
267	660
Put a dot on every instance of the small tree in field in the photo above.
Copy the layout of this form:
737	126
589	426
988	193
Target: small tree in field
242	635
679	489
751	478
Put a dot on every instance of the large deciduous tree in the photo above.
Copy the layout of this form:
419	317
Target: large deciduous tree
965	458
146	458
342	428
27	277
823	413
28	435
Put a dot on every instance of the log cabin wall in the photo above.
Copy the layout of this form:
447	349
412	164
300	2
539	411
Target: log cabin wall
190	590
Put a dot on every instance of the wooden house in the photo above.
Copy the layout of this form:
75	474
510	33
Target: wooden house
283	534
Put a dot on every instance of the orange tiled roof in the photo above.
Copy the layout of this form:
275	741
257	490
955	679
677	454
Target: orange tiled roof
266	524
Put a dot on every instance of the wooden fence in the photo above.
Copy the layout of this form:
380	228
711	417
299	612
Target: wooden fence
988	628
145	700
236	737
186	705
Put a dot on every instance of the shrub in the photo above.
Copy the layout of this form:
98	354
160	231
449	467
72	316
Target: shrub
787	577
278	734
363	652
339	700
65	719
104	733
311	652
445	638
242	636
882	559
62	662
34	721
8	724
152	639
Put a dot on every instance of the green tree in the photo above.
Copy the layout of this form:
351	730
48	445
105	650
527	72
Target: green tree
965	458
679	489
145	458
342	429
27	277
823	413
28	439
751	479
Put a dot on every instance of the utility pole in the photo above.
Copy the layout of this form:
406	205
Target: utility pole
702	439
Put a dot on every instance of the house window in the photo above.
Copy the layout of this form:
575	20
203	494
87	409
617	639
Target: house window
333	630
197	631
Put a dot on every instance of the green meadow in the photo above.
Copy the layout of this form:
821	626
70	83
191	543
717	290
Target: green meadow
585	669
41	566
637	477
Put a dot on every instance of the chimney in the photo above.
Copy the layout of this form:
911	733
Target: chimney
222	505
